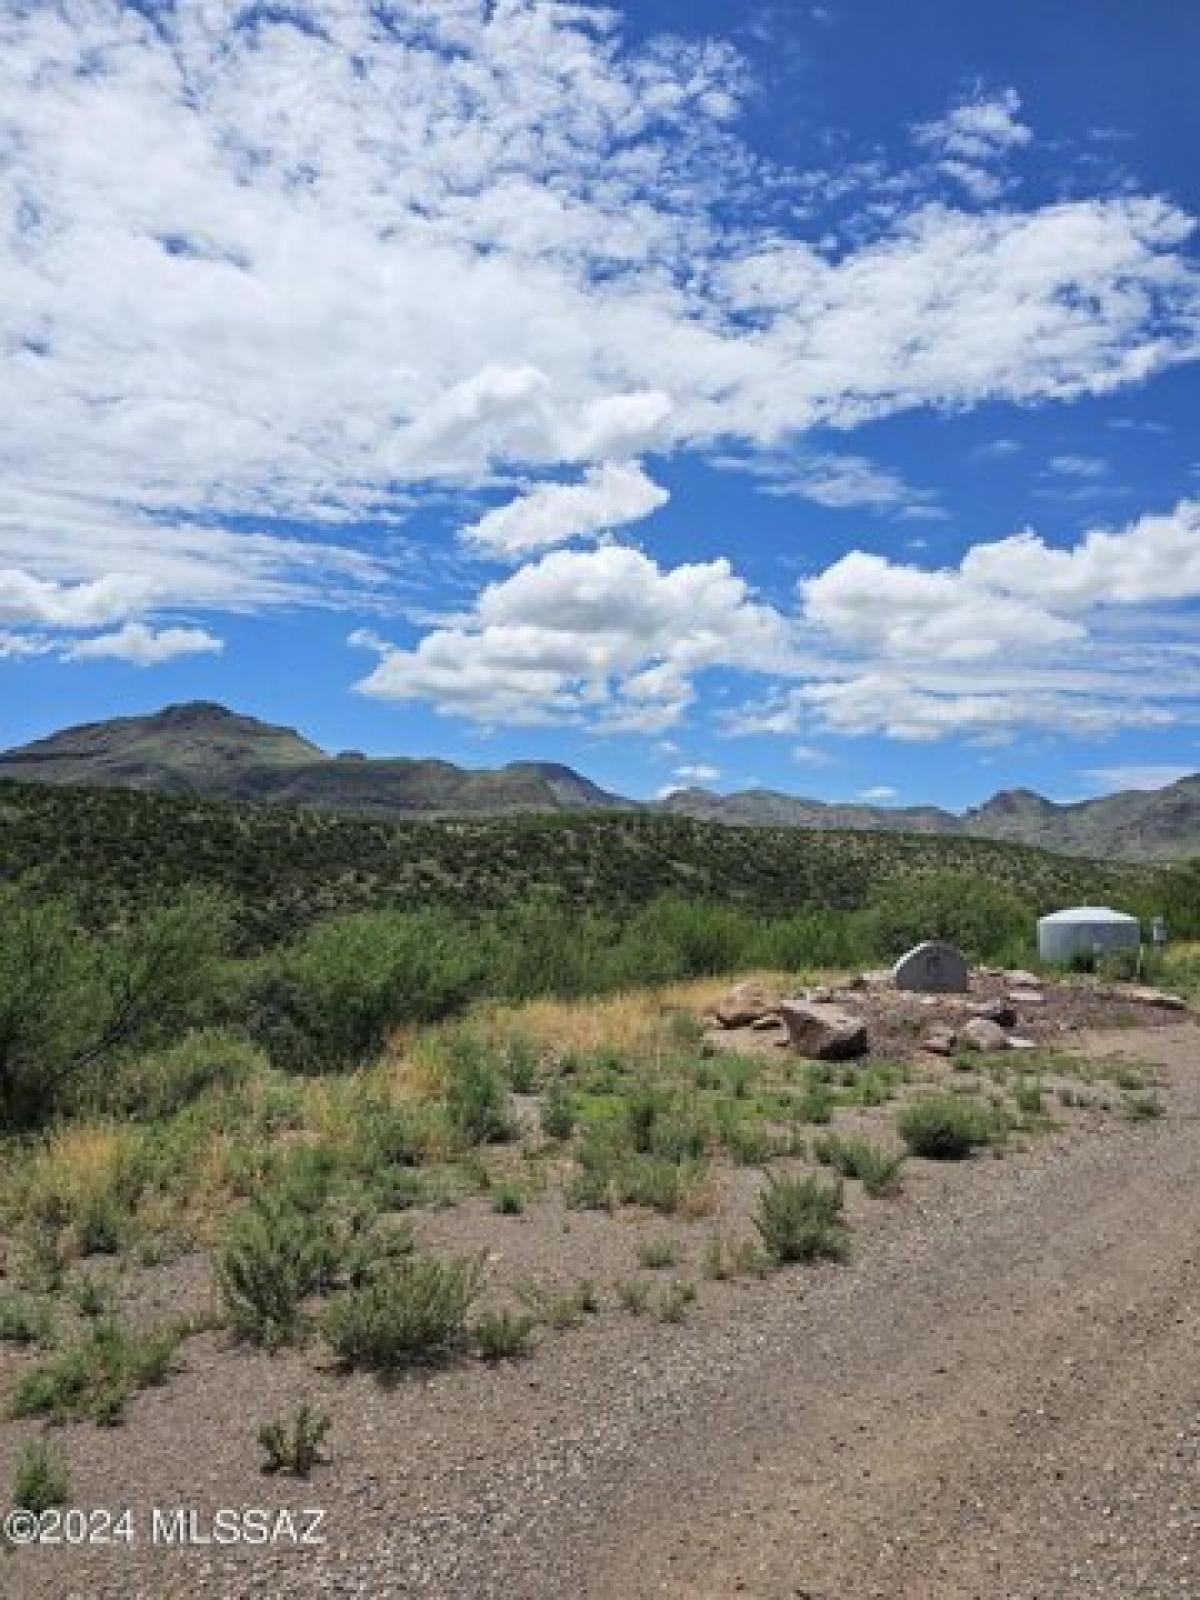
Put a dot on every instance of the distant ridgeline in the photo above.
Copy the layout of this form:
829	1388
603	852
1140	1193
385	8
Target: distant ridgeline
208	751
114	851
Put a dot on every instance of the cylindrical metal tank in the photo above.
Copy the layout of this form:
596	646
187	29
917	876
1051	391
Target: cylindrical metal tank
1084	930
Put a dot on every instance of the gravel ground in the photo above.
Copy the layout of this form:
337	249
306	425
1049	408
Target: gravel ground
997	1397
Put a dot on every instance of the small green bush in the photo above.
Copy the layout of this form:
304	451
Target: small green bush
557	1113
476	1096
1028	1095
674	1304
633	1296
945	1127
876	1170
25	1321
41	1479
96	1377
275	1255
800	1219
503	1335
158	1084
293	1446
414	1313
656	1254
508	1200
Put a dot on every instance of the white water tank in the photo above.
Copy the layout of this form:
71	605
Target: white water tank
1084	930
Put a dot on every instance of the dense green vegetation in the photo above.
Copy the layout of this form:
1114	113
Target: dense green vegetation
117	852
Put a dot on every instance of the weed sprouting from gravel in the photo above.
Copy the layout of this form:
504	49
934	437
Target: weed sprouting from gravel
293	1445
655	1254
503	1335
41	1479
876	1169
97	1377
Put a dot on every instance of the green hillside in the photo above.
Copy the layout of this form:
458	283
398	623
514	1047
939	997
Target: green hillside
113	850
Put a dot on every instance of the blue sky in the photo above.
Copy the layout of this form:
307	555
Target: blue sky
783	394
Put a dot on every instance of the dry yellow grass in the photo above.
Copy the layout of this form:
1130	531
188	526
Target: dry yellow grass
637	1021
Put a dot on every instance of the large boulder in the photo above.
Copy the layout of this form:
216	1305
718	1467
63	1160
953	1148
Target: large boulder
745	1004
824	1032
932	968
980	1034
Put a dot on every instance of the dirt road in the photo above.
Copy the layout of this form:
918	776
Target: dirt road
998	1397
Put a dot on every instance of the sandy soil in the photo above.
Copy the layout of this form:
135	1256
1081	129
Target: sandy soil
997	1397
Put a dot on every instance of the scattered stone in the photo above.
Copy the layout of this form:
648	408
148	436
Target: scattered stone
1027	997
824	1032
932	968
767	1024
877	978
1001	1012
1143	996
1019	979
940	1040
1016	1042
980	1034
822	995
745	1004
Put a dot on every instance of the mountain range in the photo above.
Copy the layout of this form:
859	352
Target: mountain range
207	750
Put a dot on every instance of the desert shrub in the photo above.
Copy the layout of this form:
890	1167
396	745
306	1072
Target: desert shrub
503	1335
1028	1095
328	1002
520	1065
414	1313
945	1127
69	1004
557	1113
293	1445
655	1254
633	1296
673	1306
800	1219
476	1095
25	1321
96	1377
41	1479
733	1258
162	1082
816	1101
275	1255
983	919
508	1200
877	1170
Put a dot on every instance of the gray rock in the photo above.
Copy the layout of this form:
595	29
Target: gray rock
1027	997
745	1004
940	1040
932	968
1020	979
1001	1012
980	1034
824	1032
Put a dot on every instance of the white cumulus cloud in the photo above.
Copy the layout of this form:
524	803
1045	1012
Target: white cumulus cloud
610	496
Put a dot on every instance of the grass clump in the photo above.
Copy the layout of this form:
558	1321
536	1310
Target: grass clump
876	1169
293	1446
503	1335
97	1377
800	1219
412	1314
41	1479
633	1296
1028	1095
945	1127
557	1113
25	1321
674	1305
656	1254
508	1200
